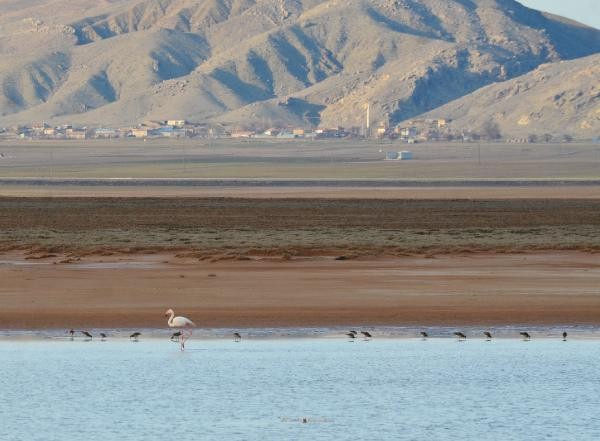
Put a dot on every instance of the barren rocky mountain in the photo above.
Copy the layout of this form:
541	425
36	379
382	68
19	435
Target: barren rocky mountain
244	62
559	99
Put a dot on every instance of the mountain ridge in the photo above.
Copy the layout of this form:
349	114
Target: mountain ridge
244	62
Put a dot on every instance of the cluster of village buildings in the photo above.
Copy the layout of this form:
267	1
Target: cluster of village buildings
421	130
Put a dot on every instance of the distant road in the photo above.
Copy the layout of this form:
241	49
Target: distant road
309	183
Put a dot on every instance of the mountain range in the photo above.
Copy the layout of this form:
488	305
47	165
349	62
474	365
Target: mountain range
278	62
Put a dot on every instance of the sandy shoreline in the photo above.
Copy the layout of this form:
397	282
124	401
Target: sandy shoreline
488	290
473	333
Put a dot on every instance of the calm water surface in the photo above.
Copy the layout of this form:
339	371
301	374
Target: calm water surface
260	390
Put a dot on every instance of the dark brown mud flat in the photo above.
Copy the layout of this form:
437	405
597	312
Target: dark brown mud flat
239	226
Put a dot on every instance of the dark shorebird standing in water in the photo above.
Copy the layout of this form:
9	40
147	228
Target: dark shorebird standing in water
135	336
72	333
175	336
366	334
237	337
565	336
424	335
460	335
353	332
488	335
351	336
525	335
102	336
87	334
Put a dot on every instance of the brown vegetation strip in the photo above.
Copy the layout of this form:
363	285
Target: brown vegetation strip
235	228
222	213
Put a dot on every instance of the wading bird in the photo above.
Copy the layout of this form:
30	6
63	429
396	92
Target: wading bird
237	336
87	334
424	334
175	336
460	335
488	335
366	334
565	336
525	335
182	323
135	336
72	333
351	335
102	335
354	332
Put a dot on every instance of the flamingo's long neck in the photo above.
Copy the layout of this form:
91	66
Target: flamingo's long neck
170	321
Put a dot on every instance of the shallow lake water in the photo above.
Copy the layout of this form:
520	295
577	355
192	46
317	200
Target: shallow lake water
384	389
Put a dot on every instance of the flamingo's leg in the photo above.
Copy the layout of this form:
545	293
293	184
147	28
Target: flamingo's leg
188	335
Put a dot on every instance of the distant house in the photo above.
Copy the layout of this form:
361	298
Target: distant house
105	133
139	132
242	134
286	135
271	132
39	127
299	132
408	132
176	123
398	156
72	133
169	132
335	132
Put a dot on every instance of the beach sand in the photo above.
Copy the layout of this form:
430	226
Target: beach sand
127	291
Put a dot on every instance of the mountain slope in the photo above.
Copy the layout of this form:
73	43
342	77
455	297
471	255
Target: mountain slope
250	61
558	98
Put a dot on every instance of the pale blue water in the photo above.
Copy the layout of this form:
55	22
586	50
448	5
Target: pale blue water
389	389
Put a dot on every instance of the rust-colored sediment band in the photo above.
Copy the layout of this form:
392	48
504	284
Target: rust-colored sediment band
548	288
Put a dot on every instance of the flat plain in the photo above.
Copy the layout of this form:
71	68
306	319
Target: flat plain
113	254
209	159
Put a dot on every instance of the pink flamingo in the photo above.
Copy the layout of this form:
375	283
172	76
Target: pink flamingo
182	323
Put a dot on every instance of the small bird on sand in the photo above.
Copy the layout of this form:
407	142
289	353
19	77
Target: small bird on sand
525	335
351	335
488	335
460	335
135	336
424	334
87	334
102	335
175	336
565	336
366	334
237	336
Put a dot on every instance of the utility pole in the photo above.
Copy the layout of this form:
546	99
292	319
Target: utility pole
368	132
51	164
